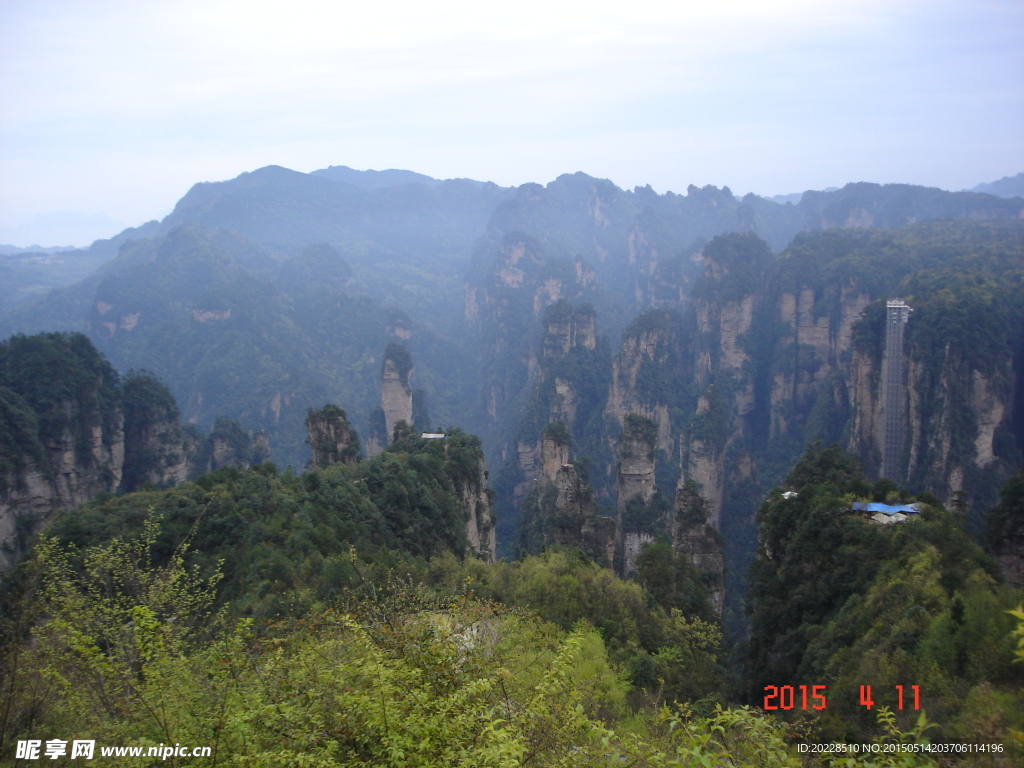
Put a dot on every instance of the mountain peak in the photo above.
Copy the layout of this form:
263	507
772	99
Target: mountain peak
370	179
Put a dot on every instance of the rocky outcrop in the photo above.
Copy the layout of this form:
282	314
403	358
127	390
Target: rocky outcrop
815	344
952	423
567	331
867	424
62	438
695	538
651	343
513	284
260	447
228	445
704	466
331	439
567	328
157	453
637	523
576	520
75	465
377	434
636	460
554	450
704	449
566	363
27	496
561	508
772	353
478	514
158	449
395	389
527	460
70	430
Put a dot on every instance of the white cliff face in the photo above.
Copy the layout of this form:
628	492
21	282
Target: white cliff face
636	473
78	481
940	404
867	426
395	397
933	426
476	505
527	461
78	467
819	346
989	410
693	537
635	479
554	455
623	395
330	438
563	509
733	321
633	543
166	445
28	493
852	305
577	521
374	446
706	467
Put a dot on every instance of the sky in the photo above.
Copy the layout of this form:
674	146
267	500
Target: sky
110	111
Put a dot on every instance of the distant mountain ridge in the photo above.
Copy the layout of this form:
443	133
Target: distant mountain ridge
460	269
1008	186
14	250
371	179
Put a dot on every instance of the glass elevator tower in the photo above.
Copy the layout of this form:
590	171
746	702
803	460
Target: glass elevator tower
894	381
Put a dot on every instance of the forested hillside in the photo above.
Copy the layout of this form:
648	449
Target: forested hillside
336	617
836	597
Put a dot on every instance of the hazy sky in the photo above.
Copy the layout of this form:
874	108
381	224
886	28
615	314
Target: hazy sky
119	107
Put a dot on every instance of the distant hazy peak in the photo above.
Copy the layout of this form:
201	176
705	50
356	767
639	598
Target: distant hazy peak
1008	186
371	179
13	250
796	197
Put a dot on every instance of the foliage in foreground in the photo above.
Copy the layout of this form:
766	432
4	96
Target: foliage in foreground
128	654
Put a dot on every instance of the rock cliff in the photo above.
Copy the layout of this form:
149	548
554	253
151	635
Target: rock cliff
695	538
331	439
653	354
72	430
478	513
960	406
158	450
639	518
395	389
561	508
569	373
230	445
